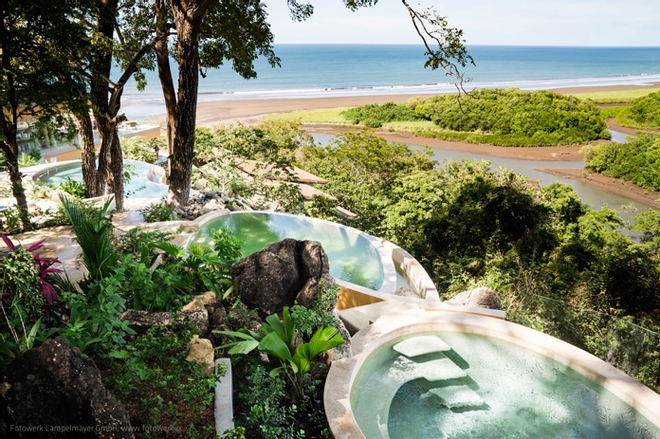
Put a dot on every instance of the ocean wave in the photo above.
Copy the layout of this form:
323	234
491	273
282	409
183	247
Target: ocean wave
423	88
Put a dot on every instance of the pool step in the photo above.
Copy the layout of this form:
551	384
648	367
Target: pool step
458	396
440	369
416	346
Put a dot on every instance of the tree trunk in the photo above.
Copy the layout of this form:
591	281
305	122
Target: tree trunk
187	19
116	177
88	155
10	150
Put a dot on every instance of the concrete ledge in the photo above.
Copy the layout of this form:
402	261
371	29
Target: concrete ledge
224	405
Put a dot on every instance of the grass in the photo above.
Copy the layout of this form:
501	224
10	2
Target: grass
329	115
615	97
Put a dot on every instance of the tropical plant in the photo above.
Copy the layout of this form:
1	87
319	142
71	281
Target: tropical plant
202	267
95	235
30	159
139	148
156	212
278	339
73	187
27	278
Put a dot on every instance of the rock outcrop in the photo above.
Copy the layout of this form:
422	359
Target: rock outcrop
55	392
141	321
201	203
480	297
282	273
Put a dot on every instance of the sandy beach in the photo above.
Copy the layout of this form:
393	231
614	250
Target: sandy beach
251	111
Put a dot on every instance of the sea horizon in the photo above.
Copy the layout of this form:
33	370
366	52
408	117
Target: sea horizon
339	70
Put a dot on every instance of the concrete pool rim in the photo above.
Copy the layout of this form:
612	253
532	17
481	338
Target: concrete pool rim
342	373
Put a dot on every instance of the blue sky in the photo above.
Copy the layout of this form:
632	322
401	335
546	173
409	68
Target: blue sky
508	22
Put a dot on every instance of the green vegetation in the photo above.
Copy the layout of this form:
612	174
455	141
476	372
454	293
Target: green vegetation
221	156
375	116
157	212
637	160
513	117
614	97
73	187
472	226
168	393
643	113
330	115
509	117
279	340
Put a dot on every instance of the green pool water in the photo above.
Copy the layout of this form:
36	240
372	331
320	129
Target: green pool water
507	392
351	256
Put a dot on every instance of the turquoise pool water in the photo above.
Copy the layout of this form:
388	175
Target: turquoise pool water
138	186
351	256
482	387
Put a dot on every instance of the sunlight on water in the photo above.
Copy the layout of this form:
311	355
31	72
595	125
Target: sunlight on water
352	258
507	392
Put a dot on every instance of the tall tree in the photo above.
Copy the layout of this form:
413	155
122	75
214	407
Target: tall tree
210	32
41	72
123	34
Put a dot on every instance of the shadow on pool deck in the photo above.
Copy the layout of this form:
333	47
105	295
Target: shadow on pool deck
60	243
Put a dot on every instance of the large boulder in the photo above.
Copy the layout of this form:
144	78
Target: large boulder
479	297
282	273
53	391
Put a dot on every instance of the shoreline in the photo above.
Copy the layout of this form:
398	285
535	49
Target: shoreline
250	112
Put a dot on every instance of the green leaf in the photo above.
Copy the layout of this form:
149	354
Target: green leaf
323	340
273	344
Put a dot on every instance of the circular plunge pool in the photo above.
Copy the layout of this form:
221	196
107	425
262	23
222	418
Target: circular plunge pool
140	186
352	255
477	377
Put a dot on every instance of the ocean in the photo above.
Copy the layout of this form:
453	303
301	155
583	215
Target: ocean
312	71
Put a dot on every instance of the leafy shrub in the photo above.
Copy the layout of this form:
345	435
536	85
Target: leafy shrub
27	280
637	160
159	290
278	340
139	148
643	113
93	324
514	117
374	115
320	314
262	408
73	187
94	234
156	212
161	390
30	159
131	241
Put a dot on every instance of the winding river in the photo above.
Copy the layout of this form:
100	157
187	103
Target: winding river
595	197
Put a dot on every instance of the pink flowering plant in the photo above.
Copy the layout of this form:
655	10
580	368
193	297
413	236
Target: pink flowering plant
27	280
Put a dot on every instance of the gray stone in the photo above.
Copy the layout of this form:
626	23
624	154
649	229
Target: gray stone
141	321
54	386
282	273
343	350
479	297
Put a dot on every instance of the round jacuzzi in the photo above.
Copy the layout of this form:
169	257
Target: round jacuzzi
147	184
355	257
430	374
